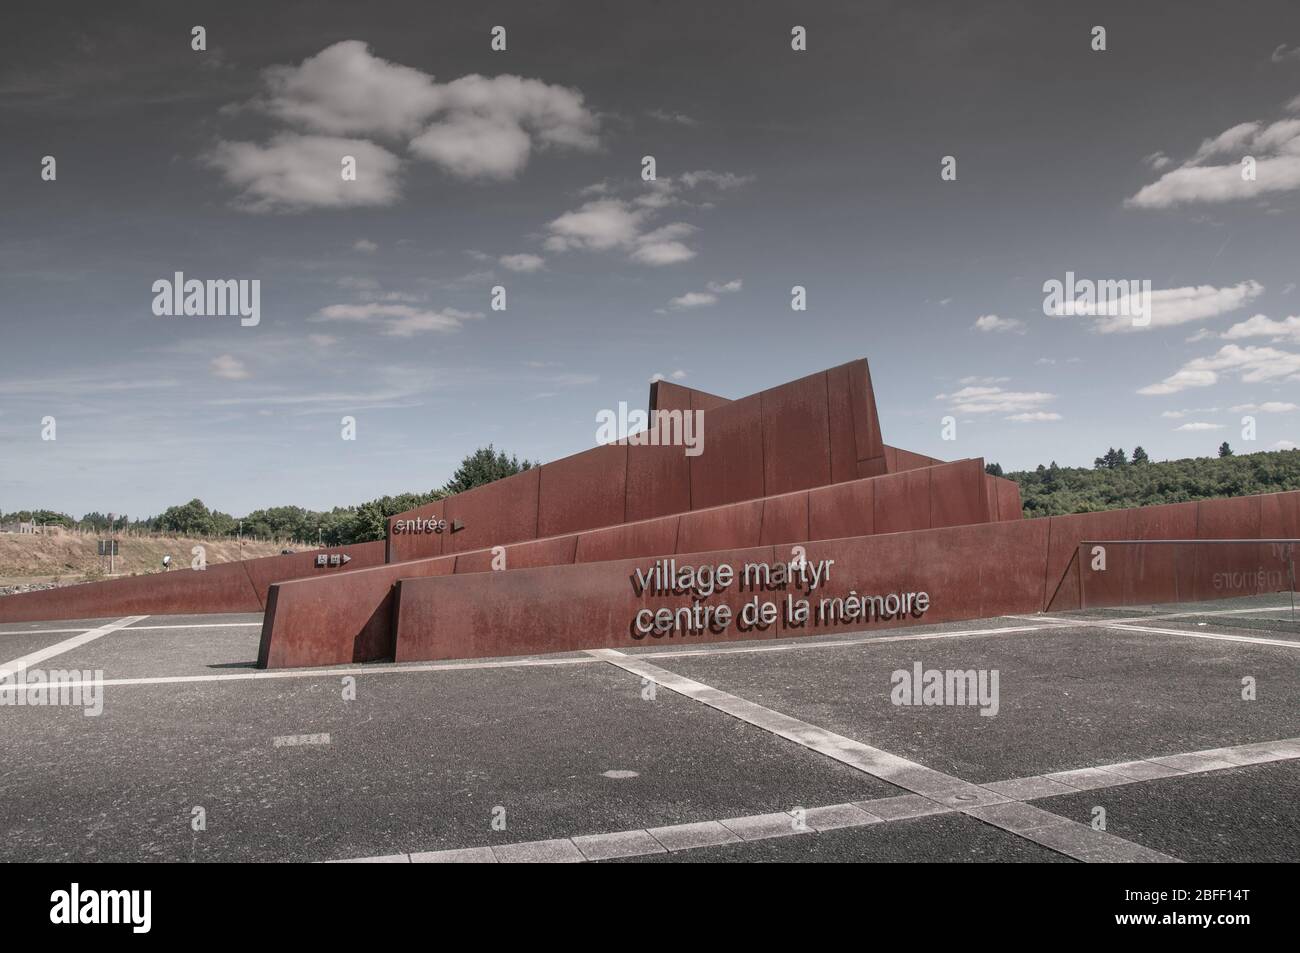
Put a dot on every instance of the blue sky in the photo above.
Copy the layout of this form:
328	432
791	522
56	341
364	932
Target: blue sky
522	169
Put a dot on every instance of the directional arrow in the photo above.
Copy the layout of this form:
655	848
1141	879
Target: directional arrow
346	559
457	526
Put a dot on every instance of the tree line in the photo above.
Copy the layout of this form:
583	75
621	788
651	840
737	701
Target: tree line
336	527
1118	481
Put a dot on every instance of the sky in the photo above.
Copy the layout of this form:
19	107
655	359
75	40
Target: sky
523	169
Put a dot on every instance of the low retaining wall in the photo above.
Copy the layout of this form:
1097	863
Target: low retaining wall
222	587
348	618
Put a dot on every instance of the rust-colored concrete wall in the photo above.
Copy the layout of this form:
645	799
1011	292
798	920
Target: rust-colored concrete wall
222	587
815	431
665	395
1154	574
969	572
342	620
1008	494
337	621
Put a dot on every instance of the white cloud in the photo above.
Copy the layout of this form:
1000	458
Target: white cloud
472	127
1198	426
522	262
1157	161
323	340
1253	364
597	226
1038	416
703	299
1268	407
991	323
661	251
344	90
470	146
995	400
1261	326
693	299
365	245
680	119
719	180
1286	445
230	368
606	224
1275	148
983	381
627	224
398	320
1169	307
294	172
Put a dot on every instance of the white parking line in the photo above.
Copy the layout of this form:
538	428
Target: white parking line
1075	840
140	628
1149	617
398	669
67	645
1042	624
1012	815
1215	636
329	672
795	644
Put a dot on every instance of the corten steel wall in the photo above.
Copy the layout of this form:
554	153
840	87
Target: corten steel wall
1153	575
222	587
347	619
814	431
1191	572
974	571
969	571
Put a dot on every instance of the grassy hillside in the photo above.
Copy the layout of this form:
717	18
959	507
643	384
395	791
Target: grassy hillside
73	555
1054	491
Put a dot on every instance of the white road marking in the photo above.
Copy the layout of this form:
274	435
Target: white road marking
1150	617
197	625
1042	623
794	642
140	628
1075	840
397	669
58	648
1011	815
1215	636
330	671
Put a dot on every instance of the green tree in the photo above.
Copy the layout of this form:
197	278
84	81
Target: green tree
484	465
189	519
993	469
1224	449
1140	455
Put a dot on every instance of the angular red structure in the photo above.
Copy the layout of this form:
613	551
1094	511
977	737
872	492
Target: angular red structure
822	526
